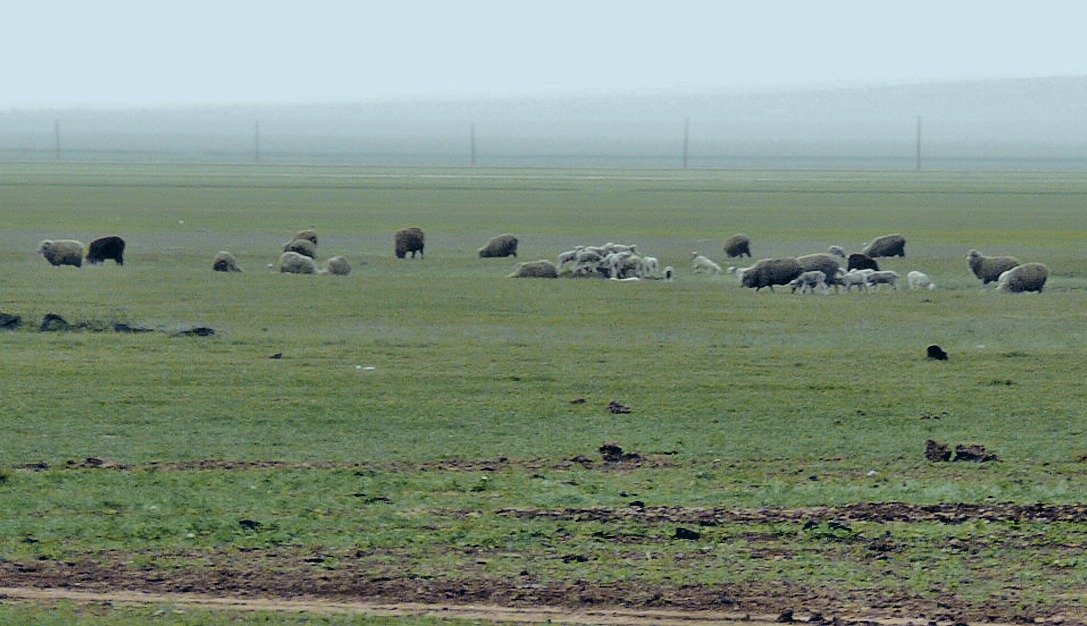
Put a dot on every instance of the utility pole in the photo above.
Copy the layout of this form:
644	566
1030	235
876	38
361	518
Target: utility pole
686	140
472	141
56	136
918	143
256	141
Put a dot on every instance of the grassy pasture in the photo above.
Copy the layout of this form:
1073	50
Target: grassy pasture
745	395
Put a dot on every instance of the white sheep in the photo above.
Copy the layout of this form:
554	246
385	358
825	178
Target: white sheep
62	252
810	281
883	277
919	280
294	263
836	251
569	256
652	267
854	278
700	264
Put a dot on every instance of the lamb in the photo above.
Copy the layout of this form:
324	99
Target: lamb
569	256
225	262
62	252
106	248
295	263
836	251
1021	278
503	245
770	272
854	278
823	262
919	280
887	245
809	281
701	264
884	277
857	261
737	246
305	247
651	267
542	268
408	240
989	268
338	266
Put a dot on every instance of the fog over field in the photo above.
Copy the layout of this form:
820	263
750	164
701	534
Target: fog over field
1035	123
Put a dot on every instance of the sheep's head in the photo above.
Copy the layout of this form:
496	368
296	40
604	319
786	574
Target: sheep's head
43	246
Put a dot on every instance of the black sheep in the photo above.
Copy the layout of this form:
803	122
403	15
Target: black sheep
105	249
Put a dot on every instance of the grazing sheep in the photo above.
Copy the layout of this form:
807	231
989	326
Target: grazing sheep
1025	277
857	261
887	245
919	280
809	281
305	247
935	352
884	277
225	262
294	263
338	265
854	278
836	251
408	240
823	262
668	273
989	268
543	268
623	265
701	264
106	248
770	272
501	246
62	252
309	235
737	246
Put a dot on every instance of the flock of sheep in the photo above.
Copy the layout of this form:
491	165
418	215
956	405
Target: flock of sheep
814	273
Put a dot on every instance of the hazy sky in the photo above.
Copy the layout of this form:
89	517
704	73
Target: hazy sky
198	51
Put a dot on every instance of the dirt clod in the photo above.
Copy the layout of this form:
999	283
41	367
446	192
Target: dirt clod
53	322
10	322
612	453
686	533
615	407
937	452
974	453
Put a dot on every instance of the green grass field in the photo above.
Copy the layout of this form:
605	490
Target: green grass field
740	400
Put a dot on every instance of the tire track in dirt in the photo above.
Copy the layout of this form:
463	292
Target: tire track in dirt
490	613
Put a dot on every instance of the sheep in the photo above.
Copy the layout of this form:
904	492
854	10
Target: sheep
309	235
887	245
770	272
854	278
610	248
305	247
989	268
542	268
809	281
888	277
737	246
408	240
857	261
836	251
622	265
225	262
668	273
652	267
338	265
62	252
569	256
295	263
919	280
701	264
1025	277
503	245
823	262
106	248
738	272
